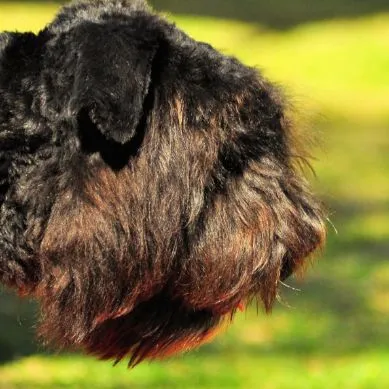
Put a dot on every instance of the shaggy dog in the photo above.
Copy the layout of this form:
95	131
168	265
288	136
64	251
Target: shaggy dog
149	185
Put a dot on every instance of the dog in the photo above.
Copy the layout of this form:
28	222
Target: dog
150	185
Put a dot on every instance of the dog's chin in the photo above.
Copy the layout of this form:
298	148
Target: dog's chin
155	329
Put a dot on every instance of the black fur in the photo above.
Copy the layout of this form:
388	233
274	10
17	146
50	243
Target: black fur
148	184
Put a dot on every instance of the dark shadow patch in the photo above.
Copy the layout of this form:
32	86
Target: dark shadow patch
278	14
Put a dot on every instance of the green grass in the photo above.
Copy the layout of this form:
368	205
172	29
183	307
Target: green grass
235	370
280	14
334	333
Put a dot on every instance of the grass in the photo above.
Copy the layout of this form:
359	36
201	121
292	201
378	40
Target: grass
280	14
333	333
204	371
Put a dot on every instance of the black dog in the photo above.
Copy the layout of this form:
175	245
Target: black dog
149	185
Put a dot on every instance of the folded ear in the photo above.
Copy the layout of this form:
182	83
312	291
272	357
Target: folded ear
112	77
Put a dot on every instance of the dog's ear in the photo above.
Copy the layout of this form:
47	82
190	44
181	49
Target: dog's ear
112	77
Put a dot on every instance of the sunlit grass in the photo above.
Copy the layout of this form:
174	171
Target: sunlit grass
25	16
337	68
237	370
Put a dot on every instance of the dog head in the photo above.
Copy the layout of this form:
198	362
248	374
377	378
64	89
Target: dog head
149	184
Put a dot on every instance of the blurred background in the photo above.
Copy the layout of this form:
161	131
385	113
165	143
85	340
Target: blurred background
330	330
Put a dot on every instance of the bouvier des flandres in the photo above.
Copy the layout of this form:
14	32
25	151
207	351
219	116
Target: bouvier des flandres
149	185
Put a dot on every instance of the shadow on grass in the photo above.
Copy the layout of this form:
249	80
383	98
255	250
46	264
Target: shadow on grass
17	337
279	14
373	247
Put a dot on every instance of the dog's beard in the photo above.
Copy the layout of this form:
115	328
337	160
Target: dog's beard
154	329
152	264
